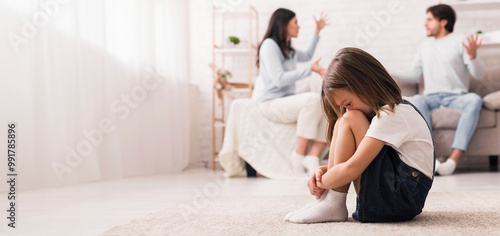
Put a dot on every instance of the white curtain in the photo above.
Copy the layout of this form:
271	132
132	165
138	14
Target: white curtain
98	89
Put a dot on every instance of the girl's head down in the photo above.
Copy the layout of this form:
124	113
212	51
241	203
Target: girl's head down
355	80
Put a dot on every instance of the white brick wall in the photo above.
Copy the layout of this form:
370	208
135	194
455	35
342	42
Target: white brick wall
394	43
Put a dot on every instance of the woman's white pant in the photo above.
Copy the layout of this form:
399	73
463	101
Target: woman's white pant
303	108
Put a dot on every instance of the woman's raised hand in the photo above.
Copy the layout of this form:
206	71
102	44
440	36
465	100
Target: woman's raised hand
321	23
317	68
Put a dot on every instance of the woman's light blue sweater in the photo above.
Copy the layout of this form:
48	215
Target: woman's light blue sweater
277	75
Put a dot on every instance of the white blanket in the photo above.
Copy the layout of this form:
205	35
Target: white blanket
265	145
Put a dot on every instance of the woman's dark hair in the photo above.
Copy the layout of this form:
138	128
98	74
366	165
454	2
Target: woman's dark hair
444	12
277	30
360	73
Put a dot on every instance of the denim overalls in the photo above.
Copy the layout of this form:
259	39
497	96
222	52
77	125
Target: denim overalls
391	190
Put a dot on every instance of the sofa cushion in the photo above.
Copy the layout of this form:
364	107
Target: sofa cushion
445	118
492	101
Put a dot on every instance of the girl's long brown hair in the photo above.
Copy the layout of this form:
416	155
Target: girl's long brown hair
360	73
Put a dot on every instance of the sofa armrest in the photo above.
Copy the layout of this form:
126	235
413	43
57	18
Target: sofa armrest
490	83
492	101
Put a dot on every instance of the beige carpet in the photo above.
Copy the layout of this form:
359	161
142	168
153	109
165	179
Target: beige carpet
458	213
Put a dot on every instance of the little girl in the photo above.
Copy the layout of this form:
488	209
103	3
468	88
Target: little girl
378	141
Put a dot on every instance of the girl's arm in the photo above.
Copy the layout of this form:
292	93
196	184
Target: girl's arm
344	173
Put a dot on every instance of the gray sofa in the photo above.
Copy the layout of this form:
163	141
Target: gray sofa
486	139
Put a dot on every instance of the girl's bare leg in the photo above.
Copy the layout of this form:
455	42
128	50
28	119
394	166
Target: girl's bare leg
349	130
348	133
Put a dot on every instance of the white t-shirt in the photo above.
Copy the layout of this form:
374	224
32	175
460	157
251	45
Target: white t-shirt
406	131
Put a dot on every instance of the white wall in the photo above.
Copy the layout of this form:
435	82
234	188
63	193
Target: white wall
393	41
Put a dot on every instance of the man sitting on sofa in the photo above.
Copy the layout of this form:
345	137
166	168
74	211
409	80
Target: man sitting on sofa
445	60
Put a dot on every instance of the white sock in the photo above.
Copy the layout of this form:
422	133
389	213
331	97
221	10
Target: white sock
447	167
332	208
296	160
310	163
438	164
323	195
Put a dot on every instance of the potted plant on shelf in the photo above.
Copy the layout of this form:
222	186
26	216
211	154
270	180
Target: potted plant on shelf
233	41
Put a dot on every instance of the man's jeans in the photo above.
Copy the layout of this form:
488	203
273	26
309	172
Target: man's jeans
469	103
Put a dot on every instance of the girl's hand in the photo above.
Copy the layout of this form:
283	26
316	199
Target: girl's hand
317	68
321	23
311	184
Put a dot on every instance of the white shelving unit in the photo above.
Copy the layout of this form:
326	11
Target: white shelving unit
219	54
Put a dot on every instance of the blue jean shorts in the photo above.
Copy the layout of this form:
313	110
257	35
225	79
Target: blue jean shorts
390	190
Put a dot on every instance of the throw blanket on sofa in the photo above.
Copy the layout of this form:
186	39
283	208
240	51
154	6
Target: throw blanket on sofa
265	145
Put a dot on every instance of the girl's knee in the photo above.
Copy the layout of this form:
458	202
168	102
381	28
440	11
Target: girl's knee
354	114
353	117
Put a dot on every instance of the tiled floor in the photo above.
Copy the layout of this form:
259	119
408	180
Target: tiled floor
90	209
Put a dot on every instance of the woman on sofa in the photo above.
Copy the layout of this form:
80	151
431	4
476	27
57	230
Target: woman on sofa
275	89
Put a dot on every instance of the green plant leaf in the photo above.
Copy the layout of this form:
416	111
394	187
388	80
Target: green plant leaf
234	39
